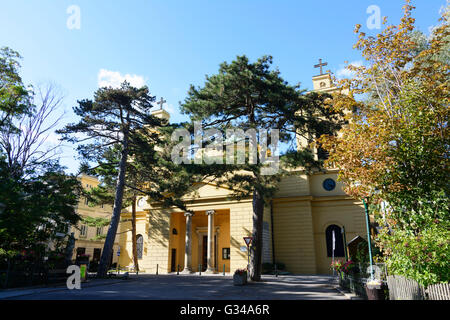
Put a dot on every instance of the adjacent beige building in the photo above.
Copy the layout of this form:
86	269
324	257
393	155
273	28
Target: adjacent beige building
87	241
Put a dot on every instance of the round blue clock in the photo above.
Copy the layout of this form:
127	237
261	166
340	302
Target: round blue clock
329	184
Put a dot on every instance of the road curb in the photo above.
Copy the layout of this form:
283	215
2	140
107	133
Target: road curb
349	296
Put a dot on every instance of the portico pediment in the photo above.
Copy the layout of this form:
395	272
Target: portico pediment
208	191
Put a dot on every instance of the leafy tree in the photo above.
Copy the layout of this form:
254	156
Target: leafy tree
245	95
96	222
395	149
37	199
35	209
14	97
116	116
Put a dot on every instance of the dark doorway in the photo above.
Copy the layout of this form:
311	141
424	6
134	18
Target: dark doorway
81	251
97	254
173	261
338	241
215	252
205	253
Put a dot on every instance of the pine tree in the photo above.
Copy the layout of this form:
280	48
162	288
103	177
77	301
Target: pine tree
135	181
246	95
116	117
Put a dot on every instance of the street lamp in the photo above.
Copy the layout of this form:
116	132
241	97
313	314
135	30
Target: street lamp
369	243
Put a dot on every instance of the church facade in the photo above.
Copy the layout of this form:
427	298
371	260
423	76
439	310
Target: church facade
304	216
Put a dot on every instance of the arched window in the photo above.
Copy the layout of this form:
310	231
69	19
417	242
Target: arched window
139	245
338	244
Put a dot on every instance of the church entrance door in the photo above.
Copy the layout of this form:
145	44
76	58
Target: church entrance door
205	253
173	260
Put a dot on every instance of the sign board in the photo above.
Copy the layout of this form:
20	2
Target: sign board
83	272
248	240
244	249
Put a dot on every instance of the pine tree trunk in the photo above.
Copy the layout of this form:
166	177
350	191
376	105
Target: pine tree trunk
256	248
115	219
133	234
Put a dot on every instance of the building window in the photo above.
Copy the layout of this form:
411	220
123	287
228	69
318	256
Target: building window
86	201
99	231
338	241
139	246
225	253
81	251
83	230
141	202
329	184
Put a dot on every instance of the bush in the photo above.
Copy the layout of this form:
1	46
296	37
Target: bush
240	272
280	266
424	257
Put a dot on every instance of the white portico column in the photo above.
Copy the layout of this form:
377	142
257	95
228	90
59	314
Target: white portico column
188	246
210	253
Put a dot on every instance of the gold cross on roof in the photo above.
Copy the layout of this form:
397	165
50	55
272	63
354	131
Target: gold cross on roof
161	102
320	65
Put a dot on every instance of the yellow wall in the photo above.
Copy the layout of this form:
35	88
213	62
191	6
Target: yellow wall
293	186
267	238
241	225
303	210
177	241
125	238
348	213
156	250
294	241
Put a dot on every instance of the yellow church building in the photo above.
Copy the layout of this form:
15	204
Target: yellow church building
304	215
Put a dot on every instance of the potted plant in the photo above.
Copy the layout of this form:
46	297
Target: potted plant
375	290
349	267
240	277
336	265
83	258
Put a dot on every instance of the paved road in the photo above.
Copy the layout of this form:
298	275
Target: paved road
194	287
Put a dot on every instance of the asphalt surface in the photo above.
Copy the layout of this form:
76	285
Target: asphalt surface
189	287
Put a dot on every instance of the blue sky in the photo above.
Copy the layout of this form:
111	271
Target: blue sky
169	45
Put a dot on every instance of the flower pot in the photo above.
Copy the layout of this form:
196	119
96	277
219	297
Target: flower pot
375	292
82	259
239	279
